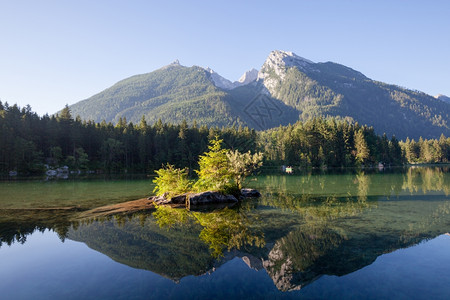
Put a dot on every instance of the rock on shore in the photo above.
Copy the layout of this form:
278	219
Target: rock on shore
208	197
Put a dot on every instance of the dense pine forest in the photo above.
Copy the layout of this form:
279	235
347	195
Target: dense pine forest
30	144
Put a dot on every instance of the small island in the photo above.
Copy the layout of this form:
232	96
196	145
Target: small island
220	177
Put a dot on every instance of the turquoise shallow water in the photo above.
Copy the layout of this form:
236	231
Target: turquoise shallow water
382	235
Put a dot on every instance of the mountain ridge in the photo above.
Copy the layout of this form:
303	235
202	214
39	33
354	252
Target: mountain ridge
287	88
223	83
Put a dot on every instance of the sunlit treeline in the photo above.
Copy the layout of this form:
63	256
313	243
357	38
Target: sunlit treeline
330	143
427	151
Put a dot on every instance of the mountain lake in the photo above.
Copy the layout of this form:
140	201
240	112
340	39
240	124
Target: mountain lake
339	235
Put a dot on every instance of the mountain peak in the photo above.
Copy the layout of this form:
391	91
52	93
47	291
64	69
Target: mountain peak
276	64
288	57
219	81
248	76
442	98
174	64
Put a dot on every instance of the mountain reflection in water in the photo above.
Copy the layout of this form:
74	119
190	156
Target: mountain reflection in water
302	227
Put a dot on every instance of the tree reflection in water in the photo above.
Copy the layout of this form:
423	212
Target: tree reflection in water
325	241
16	225
426	180
221	229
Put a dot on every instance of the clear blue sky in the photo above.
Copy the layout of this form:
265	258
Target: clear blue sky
58	52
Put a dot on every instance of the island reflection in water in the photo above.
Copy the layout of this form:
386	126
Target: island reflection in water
303	227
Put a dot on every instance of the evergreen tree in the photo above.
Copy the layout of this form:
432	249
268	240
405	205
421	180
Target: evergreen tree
65	114
214	166
361	148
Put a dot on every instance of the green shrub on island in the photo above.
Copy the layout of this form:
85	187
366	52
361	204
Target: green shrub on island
220	170
243	164
171	181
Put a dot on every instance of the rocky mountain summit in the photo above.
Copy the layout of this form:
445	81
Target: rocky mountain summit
277	63
248	77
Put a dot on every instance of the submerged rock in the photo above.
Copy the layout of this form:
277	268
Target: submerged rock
250	193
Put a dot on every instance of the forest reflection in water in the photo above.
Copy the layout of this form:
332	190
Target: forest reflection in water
300	229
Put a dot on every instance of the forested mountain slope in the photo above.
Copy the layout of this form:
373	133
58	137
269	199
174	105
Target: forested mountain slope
172	93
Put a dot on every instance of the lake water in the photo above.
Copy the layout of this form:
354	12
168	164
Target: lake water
360	235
